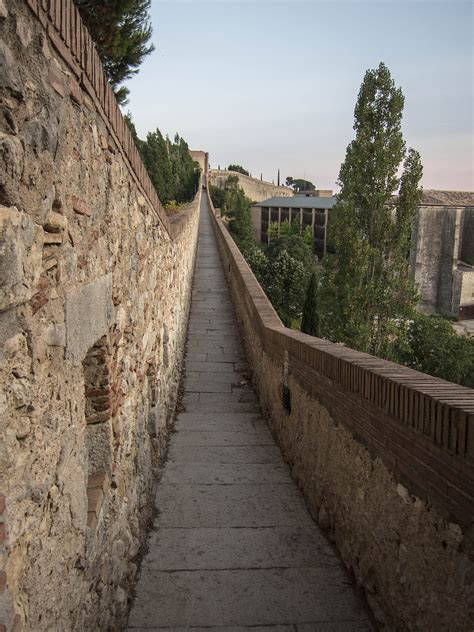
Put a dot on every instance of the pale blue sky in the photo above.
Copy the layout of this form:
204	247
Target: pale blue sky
272	84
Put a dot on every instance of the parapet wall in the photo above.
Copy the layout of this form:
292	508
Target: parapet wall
256	190
94	297
383	454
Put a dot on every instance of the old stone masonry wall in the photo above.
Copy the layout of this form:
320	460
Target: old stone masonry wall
94	296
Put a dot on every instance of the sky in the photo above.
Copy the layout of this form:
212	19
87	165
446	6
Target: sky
272	84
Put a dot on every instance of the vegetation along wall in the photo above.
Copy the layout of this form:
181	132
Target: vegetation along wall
94	296
383	454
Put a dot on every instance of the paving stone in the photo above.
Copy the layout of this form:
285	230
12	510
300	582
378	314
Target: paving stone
210	367
221	549
244	597
224	454
177	473
206	386
222	438
255	505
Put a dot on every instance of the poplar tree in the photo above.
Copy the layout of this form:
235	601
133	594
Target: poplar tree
367	292
121	30
309	320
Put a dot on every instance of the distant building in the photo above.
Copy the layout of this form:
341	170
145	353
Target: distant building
442	256
306	211
315	193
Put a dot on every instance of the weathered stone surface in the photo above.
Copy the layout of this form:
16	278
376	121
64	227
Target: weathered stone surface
20	257
72	274
10	80
89	314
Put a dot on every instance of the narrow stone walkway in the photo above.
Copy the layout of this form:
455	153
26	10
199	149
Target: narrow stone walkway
234	547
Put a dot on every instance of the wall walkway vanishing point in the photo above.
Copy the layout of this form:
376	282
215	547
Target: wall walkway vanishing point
256	190
94	297
384	456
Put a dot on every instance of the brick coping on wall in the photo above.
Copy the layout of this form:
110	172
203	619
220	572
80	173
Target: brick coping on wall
422	427
72	41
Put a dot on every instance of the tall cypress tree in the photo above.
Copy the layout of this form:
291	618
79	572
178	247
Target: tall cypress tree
309	320
121	30
366	285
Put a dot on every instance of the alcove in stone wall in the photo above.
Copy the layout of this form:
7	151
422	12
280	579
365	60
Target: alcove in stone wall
97	390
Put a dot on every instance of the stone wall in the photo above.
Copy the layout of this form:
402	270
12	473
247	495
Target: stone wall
256	190
383	454
94	296
443	235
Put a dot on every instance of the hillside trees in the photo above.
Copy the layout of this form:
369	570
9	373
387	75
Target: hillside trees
173	172
290	264
310	319
435	348
299	184
239	169
121	30
366	288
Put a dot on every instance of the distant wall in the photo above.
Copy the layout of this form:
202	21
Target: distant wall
467	248
202	158
94	297
441	239
256	190
384	456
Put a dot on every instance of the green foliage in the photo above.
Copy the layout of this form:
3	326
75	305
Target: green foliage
258	261
435	348
310	318
299	185
232	183
173	172
185	171
239	169
366	285
290	264
121	31
218	196
237	208
158	164
284	269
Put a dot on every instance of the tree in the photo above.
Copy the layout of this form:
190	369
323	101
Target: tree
290	264
309	320
435	348
240	225
218	197
121	30
158	163
366	288
299	184
173	172
239	169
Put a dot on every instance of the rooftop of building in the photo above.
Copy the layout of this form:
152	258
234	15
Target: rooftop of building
432	197
299	201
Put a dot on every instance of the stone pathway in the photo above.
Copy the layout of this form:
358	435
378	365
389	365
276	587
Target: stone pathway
234	547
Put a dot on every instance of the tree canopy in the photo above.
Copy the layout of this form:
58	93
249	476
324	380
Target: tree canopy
299	184
366	286
121	30
173	172
239	169
310	319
